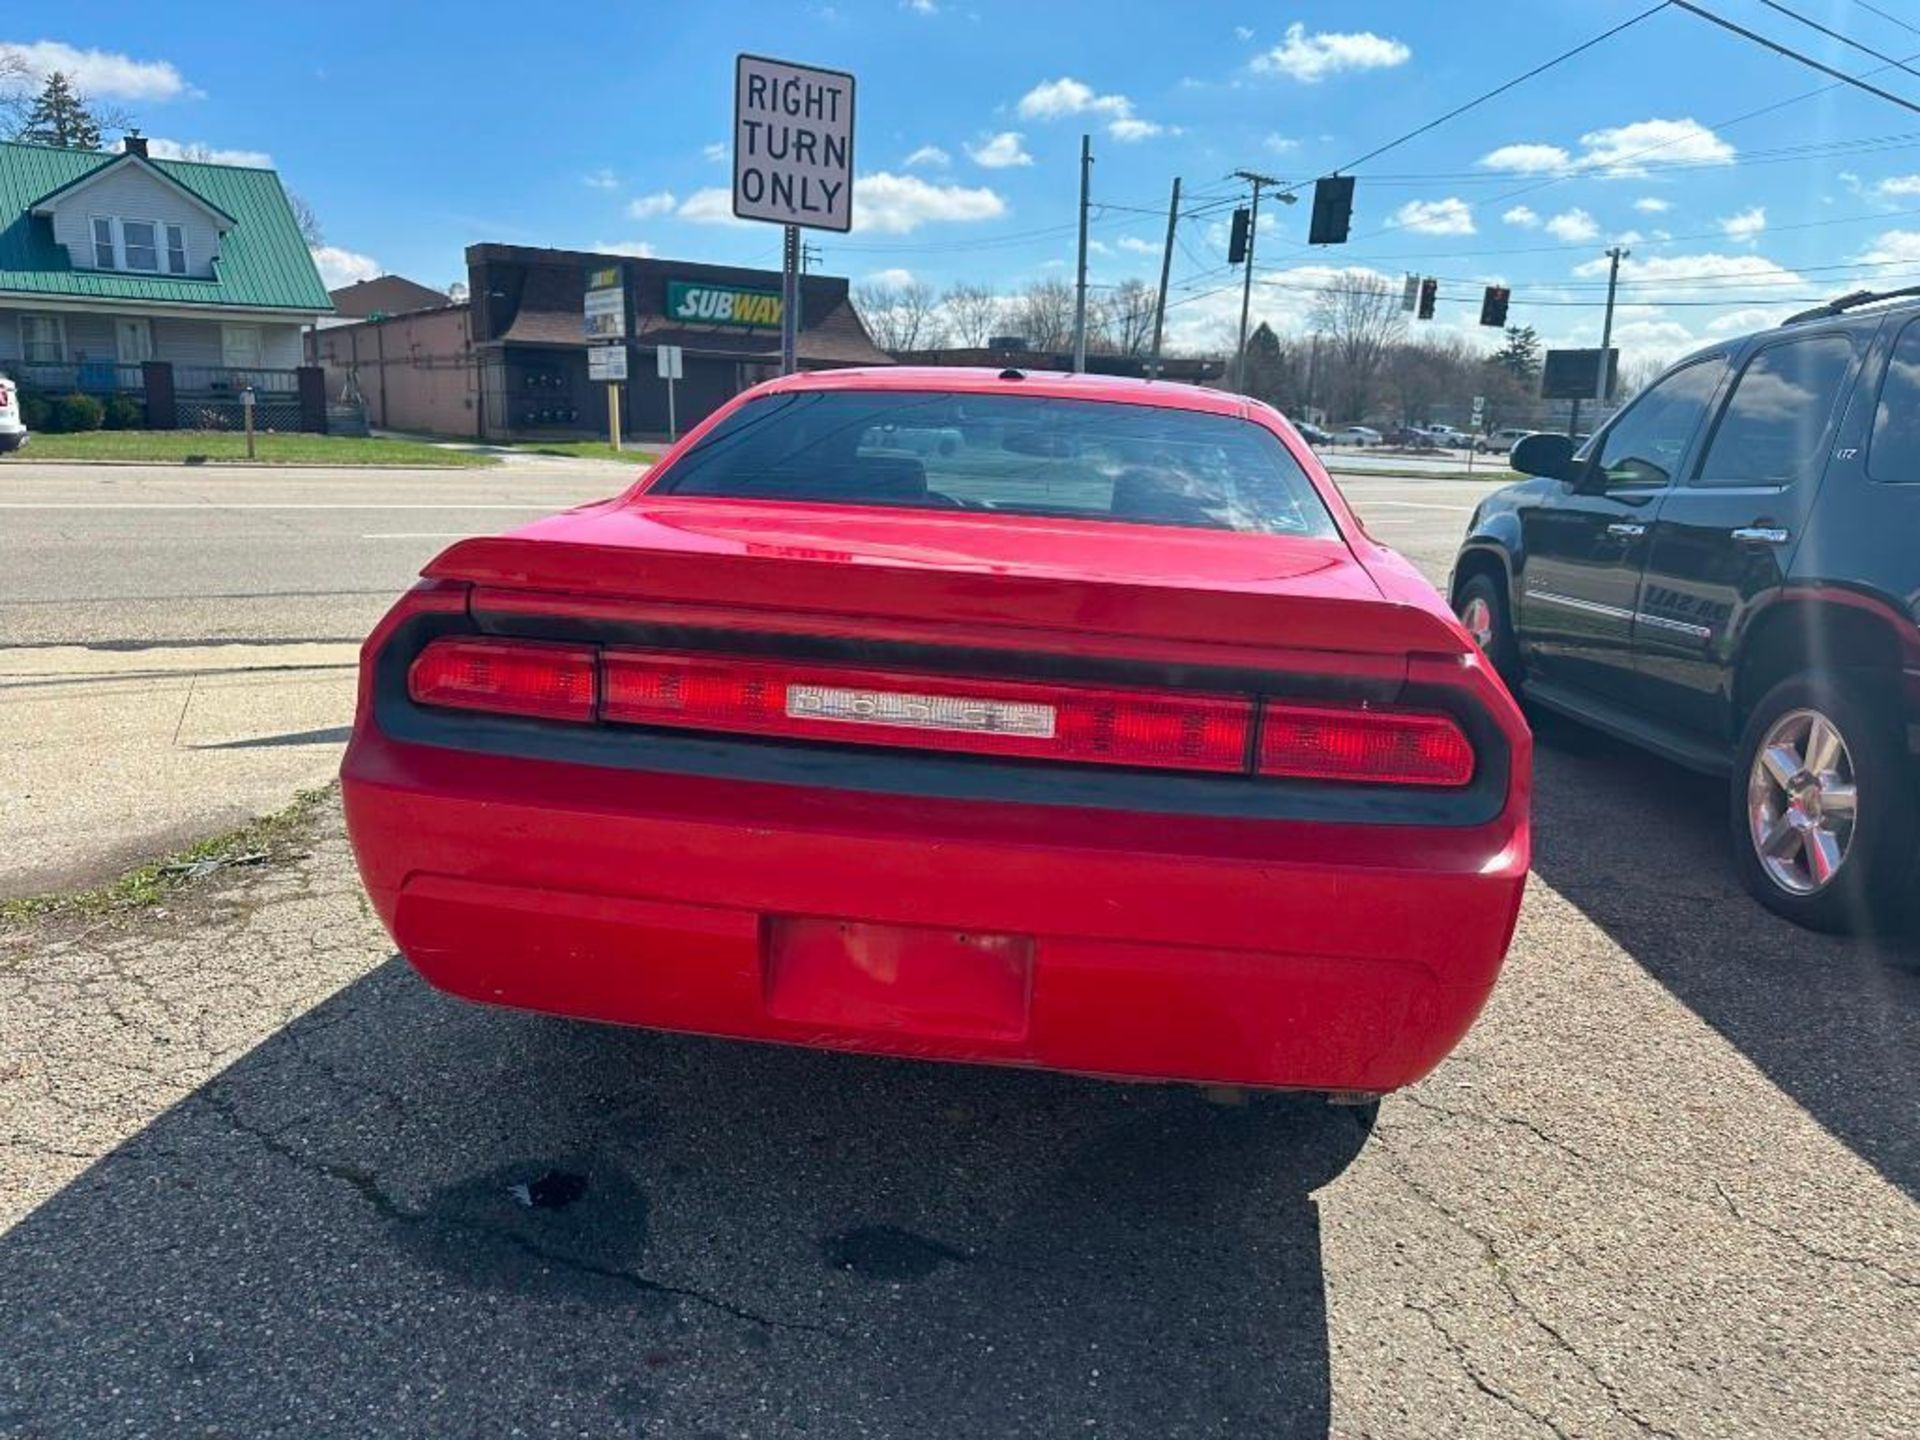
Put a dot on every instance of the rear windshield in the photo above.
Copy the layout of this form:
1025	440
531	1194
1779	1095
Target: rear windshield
1012	454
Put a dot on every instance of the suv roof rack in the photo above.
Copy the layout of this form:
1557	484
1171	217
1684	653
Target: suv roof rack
1850	301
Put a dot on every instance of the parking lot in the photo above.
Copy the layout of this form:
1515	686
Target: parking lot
262	1181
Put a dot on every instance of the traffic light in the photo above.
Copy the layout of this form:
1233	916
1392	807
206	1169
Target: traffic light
1410	293
1493	306
1332	210
1429	292
1237	242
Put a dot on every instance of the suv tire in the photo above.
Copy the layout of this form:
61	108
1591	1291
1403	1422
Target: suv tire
1482	608
1822	810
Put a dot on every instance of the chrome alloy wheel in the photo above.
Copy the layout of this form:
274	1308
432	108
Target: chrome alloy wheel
1800	802
1477	616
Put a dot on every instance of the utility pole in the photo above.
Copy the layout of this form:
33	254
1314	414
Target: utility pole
810	256
1166	270
1080	292
1616	255
1256	180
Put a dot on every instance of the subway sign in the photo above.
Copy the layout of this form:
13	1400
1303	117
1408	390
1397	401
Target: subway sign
696	304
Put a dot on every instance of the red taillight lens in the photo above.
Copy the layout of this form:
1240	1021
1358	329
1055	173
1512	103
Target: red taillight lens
1386	747
548	682
929	712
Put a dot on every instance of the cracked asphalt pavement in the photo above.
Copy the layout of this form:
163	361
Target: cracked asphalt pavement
259	1180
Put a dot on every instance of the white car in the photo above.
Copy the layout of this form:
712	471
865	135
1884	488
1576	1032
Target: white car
1356	435
1449	437
1500	442
13	430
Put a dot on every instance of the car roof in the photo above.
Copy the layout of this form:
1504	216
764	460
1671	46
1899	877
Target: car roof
983	380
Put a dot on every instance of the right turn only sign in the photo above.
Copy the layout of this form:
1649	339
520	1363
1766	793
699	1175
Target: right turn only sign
792	144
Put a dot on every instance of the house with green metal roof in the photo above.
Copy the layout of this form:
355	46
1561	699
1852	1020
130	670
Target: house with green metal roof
124	273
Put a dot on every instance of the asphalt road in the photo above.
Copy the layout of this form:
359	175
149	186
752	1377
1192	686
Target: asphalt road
262	1181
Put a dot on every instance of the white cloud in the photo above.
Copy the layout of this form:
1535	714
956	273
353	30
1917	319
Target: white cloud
103	74
712	205
343	267
1661	142
1575	227
1527	159
163	149
1522	216
716	152
1051	99
1280	144
1748	317
1652	205
930	155
1898	187
1892	247
900	204
1702	276
1620	151
1311	58
601	179
633	249
895	277
1243	32
999	152
645	207
920	7
1099	247
1137	245
1452	216
1746	226
1628	237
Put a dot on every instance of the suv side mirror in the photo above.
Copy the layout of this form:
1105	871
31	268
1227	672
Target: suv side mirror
1545	454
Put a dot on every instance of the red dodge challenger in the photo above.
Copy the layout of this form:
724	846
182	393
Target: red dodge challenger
993	716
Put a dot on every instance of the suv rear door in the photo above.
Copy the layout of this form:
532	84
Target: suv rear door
1725	535
1585	541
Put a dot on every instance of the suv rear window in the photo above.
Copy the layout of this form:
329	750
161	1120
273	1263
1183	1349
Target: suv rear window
1008	454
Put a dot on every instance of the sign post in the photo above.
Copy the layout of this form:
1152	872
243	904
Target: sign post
792	163
246	410
669	360
1479	419
606	326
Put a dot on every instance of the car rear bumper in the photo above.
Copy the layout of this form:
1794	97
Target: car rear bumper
1316	956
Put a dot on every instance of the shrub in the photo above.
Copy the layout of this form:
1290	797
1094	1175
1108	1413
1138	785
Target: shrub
123	412
35	412
76	412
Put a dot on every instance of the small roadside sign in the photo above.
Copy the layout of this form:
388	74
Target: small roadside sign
792	144
669	359
1479	408
607	362
606	305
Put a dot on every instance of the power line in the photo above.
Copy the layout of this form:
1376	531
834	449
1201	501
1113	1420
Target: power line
1774	45
1836	35
1459	110
1876	10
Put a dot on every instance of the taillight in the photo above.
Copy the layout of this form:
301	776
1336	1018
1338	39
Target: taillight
1386	747
929	712
1155	729
547	682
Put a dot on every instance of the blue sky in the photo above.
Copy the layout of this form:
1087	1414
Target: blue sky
415	130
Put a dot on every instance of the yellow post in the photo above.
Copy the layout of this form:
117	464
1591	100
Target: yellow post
613	415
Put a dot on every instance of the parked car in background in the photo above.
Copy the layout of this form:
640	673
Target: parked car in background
1725	575
1312	433
1355	435
1138	758
1500	442
1449	438
1408	437
13	425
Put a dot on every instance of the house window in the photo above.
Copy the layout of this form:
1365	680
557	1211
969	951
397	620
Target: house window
141	241
43	339
176	250
103	246
240	347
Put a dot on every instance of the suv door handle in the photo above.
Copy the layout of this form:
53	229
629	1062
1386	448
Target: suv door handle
1627	529
1761	535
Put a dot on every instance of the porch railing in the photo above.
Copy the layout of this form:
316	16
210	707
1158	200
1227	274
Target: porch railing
189	397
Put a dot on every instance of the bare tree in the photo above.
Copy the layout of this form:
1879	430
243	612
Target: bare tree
1358	312
1044	314
1128	315
901	317
973	311
305	217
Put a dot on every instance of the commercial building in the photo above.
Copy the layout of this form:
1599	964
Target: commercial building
511	362
1014	353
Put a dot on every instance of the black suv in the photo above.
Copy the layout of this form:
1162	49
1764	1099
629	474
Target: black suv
1729	574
